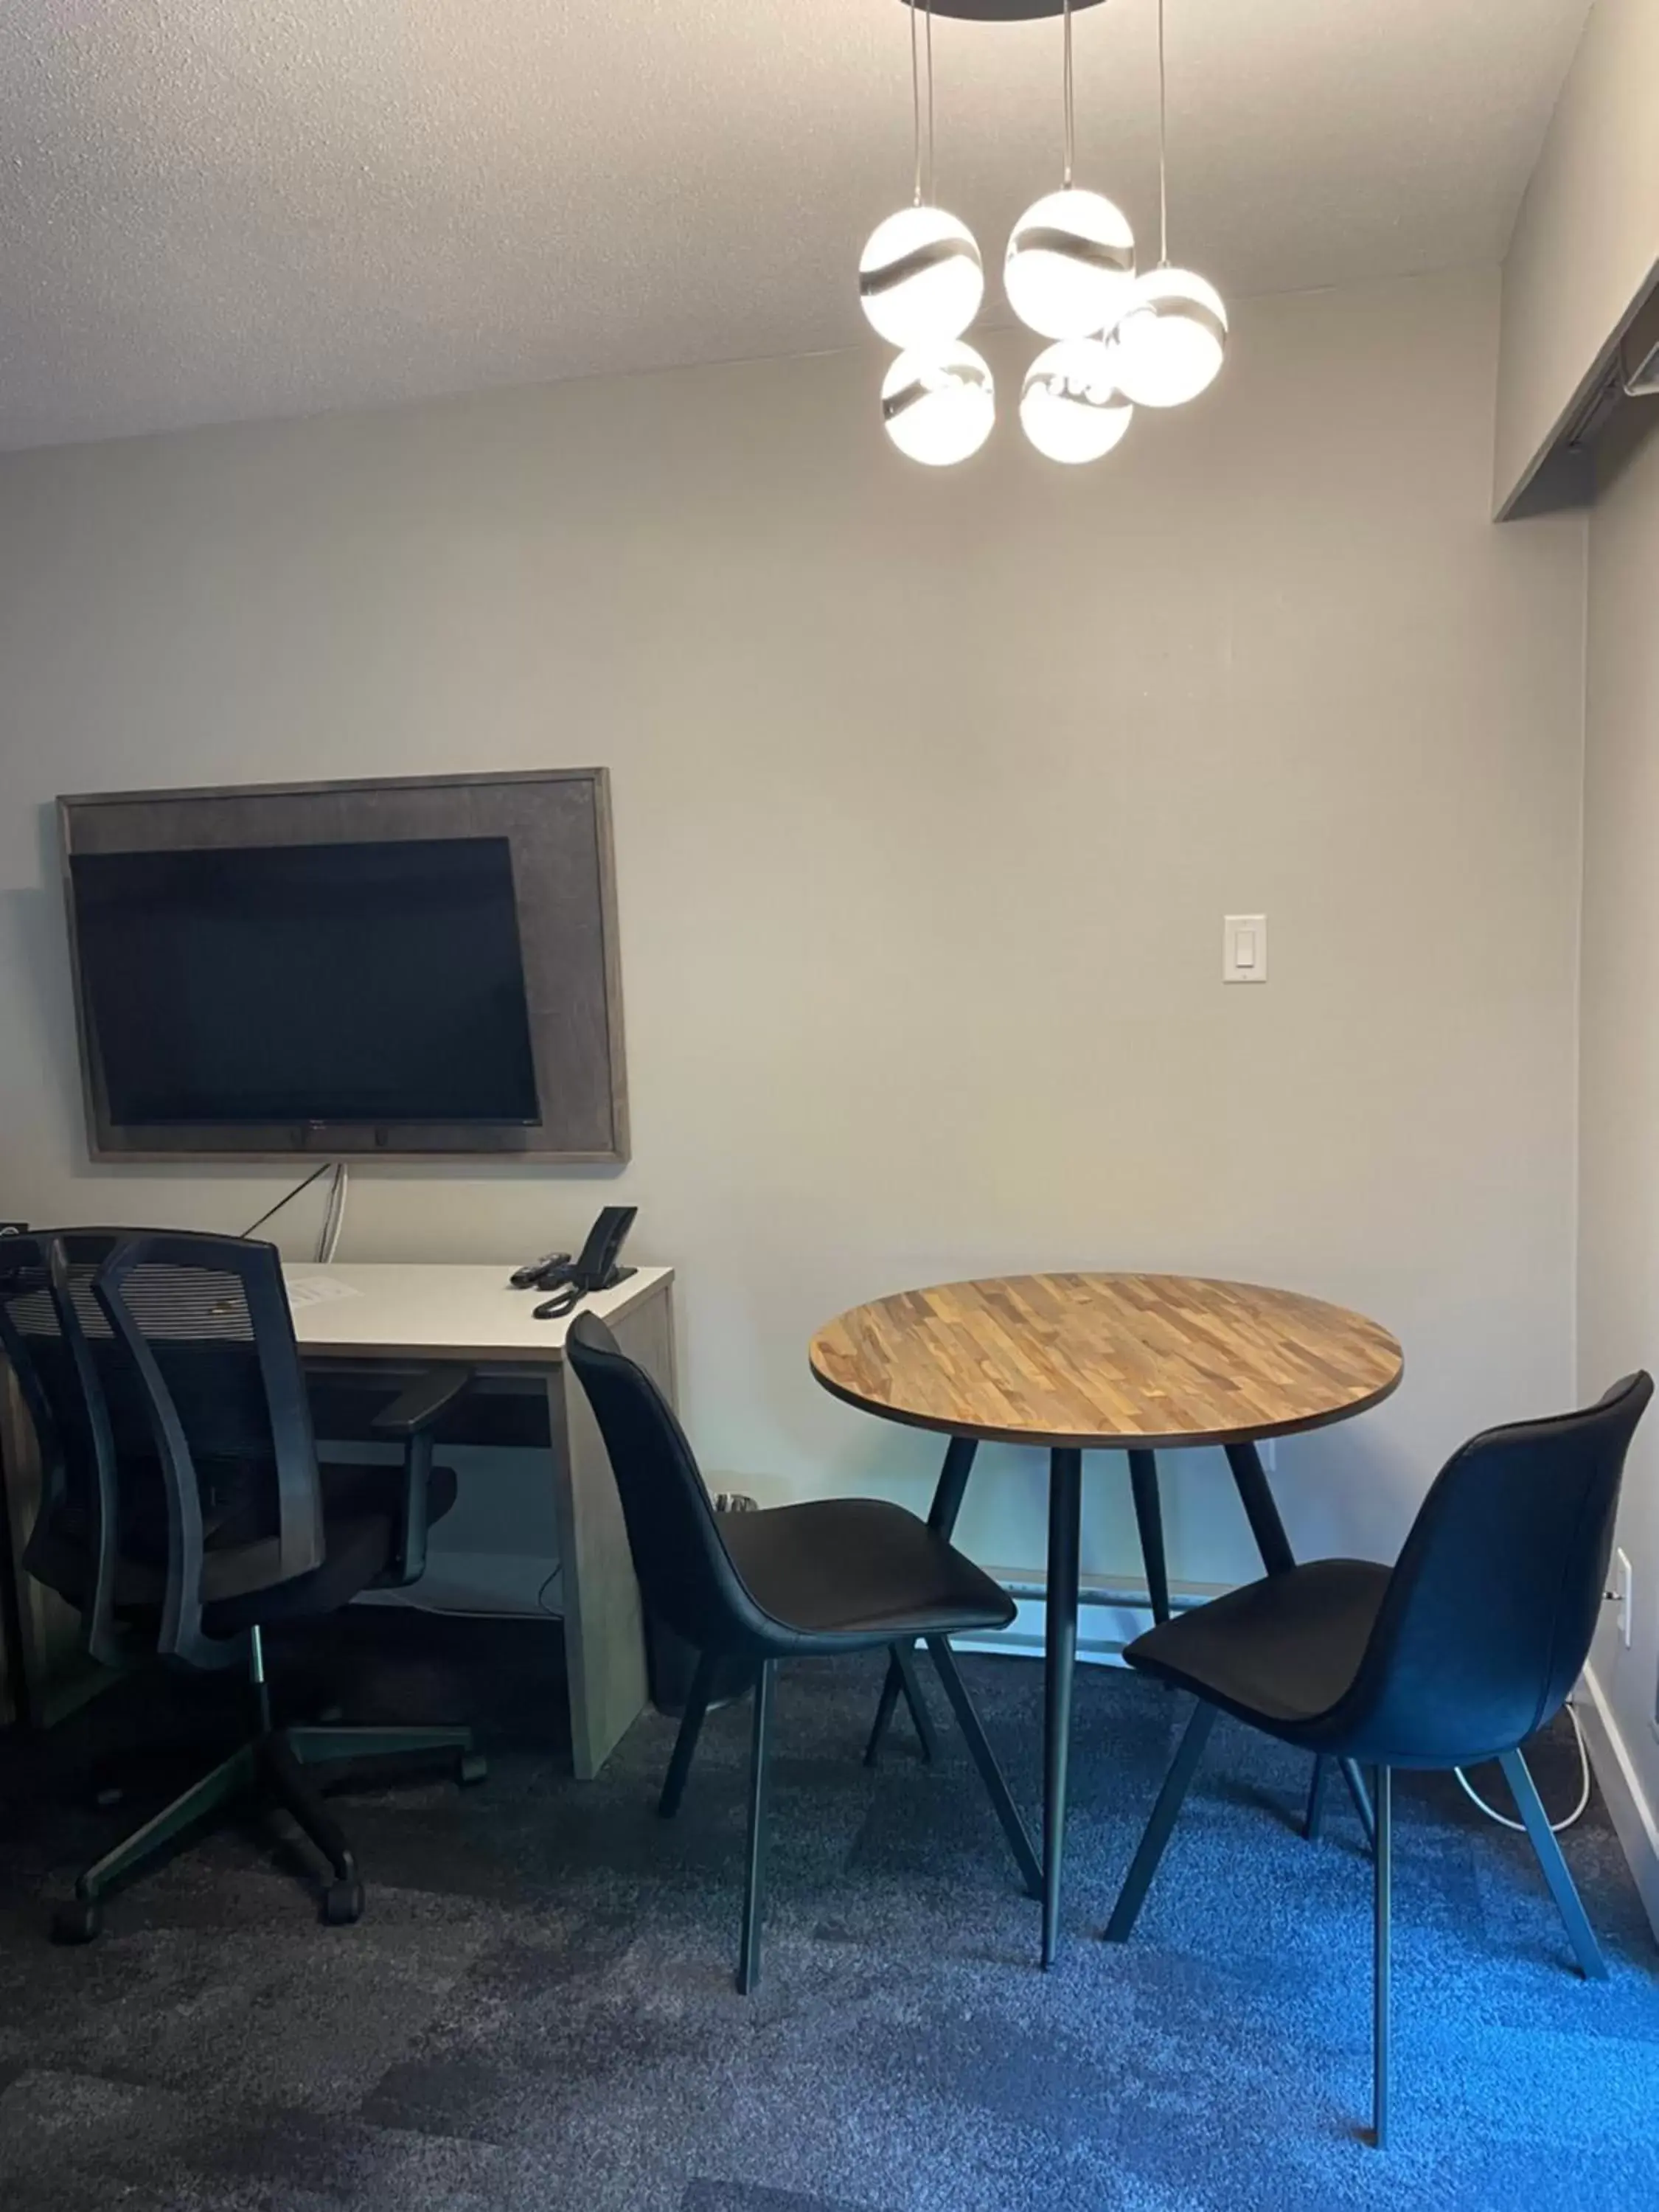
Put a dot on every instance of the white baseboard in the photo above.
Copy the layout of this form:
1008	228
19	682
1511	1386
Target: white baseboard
1634	1820
1113	1610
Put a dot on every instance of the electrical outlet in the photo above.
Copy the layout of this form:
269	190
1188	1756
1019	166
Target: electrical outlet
1621	1589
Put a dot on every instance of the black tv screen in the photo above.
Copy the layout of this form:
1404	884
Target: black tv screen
366	983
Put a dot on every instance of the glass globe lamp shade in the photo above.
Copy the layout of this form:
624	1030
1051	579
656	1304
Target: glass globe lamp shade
1171	339
920	278
1071	264
1070	408
938	403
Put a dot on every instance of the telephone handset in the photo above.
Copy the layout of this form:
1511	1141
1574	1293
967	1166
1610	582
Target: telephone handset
594	1268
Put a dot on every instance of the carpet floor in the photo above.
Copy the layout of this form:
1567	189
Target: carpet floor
537	2011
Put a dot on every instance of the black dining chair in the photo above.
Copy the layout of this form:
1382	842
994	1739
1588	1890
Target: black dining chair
1458	1652
797	1581
183	1509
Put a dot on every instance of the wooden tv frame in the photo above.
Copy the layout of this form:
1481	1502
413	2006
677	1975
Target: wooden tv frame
557	824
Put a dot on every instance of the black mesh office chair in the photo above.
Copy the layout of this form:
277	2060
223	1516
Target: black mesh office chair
1457	1654
183	1508
798	1581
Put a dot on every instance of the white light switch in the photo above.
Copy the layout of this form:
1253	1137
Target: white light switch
1244	948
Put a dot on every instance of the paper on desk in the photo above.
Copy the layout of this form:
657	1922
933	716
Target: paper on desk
319	1289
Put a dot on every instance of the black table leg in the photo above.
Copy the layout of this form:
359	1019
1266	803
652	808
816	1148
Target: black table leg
1277	1557
942	1518
1262	1514
1149	1519
1065	1517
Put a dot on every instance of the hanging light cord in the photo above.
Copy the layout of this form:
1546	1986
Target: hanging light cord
1070	105
1162	157
915	102
915	105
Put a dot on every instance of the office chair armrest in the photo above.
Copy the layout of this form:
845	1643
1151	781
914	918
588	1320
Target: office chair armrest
413	1415
420	1403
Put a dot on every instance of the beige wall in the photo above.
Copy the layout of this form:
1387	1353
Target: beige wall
1586	238
1618	1235
931	792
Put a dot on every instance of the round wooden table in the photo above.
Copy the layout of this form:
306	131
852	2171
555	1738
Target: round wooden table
1083	1363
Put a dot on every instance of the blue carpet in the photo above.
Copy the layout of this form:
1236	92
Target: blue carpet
537	2011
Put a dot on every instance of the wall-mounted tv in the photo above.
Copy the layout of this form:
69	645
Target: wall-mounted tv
408	968
306	983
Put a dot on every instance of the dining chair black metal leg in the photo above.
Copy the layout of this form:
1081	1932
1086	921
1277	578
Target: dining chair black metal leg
1065	1518
903	1657
685	1743
754	1888
1382	1933
948	1494
1260	1511
1149	1520
1362	1799
890	1690
901	1680
986	1759
1580	1934
1313	1819
1144	1865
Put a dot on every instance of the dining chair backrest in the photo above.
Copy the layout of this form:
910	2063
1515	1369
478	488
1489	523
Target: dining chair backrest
685	1572
1487	1619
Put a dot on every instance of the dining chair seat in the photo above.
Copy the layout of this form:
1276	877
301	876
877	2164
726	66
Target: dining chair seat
850	1574
1279	1653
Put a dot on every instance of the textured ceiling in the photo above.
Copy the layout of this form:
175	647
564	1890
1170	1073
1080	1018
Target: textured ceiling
217	209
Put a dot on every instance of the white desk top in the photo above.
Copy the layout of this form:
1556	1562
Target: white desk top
436	1311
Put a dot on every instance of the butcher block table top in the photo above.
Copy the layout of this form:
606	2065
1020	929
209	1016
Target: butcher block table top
1086	1360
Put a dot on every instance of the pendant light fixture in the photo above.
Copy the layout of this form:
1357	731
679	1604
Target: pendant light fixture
1072	409
921	281
1071	259
938	403
1172	337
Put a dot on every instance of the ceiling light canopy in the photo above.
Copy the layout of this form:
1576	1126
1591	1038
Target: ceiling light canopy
1001	11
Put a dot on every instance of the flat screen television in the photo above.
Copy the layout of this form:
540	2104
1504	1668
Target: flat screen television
315	986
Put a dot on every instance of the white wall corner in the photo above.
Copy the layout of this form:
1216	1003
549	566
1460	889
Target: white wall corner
1635	1821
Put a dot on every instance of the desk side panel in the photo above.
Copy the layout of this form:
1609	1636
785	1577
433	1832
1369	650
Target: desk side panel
605	1632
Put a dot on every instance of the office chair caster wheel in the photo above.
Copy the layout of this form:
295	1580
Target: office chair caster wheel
79	1920
470	1768
342	1903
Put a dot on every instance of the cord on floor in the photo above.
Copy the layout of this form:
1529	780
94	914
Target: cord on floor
1567	1819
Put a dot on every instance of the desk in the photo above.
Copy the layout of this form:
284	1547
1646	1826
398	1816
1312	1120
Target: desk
409	1317
359	1330
1077	1363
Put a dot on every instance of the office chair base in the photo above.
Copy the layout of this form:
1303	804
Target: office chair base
281	1768
77	1922
342	1903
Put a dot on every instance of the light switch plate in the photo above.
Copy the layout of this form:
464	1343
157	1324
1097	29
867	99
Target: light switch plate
1244	948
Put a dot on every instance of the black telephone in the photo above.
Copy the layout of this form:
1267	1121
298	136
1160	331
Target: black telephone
594	1268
